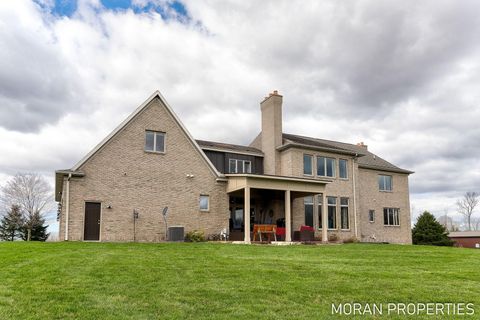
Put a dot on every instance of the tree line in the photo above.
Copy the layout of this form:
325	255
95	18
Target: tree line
25	199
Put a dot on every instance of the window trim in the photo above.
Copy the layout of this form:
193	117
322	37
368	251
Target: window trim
155	141
348	213
391	183
312	164
373	215
346	169
325	164
236	165
200	202
395	211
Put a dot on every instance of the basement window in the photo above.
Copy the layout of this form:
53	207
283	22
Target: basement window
155	141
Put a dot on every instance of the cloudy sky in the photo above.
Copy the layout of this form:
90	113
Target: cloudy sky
402	76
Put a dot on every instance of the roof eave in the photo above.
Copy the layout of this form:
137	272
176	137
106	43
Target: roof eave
380	168
289	145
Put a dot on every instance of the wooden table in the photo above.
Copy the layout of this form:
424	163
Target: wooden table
269	229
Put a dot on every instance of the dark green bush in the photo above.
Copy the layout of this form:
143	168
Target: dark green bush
428	231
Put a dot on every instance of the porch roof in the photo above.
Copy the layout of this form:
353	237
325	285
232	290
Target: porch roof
271	182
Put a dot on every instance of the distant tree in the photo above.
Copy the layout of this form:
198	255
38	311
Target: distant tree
33	195
11	224
428	231
467	205
35	229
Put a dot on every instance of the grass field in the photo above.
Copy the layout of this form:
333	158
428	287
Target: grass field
225	281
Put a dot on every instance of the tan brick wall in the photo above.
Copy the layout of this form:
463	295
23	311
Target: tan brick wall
122	175
367	195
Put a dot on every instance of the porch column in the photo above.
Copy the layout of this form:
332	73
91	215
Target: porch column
288	217
324	218
246	215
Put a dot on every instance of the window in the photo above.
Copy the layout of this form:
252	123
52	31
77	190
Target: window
308	202
371	215
239	166
384	183
320	210
325	167
307	164
391	217
342	168
204	203
154	141
332	212
344	223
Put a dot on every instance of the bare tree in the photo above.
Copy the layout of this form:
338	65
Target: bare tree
467	205
32	194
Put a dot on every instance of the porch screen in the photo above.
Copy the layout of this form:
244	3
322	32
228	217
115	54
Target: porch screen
308	201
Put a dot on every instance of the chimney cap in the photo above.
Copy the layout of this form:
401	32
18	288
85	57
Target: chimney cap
273	93
361	144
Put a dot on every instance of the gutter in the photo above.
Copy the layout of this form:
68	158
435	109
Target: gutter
354	196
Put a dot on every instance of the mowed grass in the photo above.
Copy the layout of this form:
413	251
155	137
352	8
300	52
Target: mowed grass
225	281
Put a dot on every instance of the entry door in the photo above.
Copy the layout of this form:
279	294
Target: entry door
92	221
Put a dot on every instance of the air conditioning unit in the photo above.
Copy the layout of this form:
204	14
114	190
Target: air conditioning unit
176	234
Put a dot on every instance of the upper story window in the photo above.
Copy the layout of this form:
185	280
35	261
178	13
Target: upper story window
391	217
342	169
307	164
154	141
384	183
239	166
325	167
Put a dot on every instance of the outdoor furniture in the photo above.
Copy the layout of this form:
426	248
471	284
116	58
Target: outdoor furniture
269	229
281	231
307	233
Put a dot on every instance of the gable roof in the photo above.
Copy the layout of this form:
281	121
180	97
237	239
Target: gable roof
121	126
366	160
227	147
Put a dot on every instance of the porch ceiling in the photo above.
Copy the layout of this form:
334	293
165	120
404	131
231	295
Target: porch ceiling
240	181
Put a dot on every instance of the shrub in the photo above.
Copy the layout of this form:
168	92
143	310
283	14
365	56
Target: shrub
429	231
333	237
350	240
195	236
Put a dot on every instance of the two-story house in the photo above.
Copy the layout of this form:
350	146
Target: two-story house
150	161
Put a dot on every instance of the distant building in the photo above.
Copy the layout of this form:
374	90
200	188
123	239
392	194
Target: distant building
466	239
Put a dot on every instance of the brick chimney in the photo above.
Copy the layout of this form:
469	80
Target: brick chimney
271	108
361	144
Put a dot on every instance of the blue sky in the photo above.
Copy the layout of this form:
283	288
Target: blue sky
68	7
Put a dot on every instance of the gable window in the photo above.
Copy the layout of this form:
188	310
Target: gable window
342	169
239	166
344	223
154	141
320	210
307	164
325	167
384	183
391	217
332	212
371	215
204	202
308	202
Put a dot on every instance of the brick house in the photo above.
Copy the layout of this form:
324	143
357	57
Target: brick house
150	161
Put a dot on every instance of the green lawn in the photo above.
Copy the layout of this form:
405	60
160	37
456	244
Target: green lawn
225	281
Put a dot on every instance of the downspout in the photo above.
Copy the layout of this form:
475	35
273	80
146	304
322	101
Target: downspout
67	205
354	196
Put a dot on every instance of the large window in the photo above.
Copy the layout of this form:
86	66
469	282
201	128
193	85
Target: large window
342	169
325	167
332	212
307	164
204	203
308	201
344	222
154	141
239	166
391	217
384	183
320	210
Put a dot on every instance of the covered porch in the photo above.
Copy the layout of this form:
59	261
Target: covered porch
263	200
